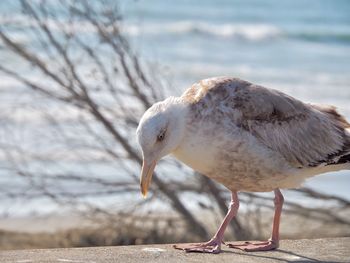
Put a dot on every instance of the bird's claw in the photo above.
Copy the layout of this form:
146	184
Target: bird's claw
213	246
254	246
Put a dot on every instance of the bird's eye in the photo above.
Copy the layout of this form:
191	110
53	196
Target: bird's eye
161	136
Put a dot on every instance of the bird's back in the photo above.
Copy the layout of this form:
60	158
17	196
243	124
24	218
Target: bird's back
304	135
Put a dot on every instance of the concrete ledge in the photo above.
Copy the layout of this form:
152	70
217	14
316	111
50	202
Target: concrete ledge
305	250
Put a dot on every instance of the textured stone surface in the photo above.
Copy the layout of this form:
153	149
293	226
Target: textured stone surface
306	250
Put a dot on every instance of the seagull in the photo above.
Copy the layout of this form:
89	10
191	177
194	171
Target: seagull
247	138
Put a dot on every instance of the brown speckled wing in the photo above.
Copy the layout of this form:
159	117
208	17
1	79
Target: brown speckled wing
304	134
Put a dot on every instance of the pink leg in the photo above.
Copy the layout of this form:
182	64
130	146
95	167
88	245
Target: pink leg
214	244
273	242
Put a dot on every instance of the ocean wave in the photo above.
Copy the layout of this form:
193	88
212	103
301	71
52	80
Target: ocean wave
252	32
248	31
245	31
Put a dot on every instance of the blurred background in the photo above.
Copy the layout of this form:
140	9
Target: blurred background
76	76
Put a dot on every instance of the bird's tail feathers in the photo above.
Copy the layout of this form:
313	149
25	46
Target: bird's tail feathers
335	115
344	159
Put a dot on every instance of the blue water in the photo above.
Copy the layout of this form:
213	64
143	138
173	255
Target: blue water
272	42
301	47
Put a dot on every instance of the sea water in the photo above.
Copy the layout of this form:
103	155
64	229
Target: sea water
300	47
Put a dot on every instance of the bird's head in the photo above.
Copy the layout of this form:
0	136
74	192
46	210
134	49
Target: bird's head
160	132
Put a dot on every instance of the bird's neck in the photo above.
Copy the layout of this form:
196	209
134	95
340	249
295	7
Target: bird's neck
179	112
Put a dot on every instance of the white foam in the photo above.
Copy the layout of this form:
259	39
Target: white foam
226	30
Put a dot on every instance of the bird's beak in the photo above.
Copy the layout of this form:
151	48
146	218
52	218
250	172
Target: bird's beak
146	176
